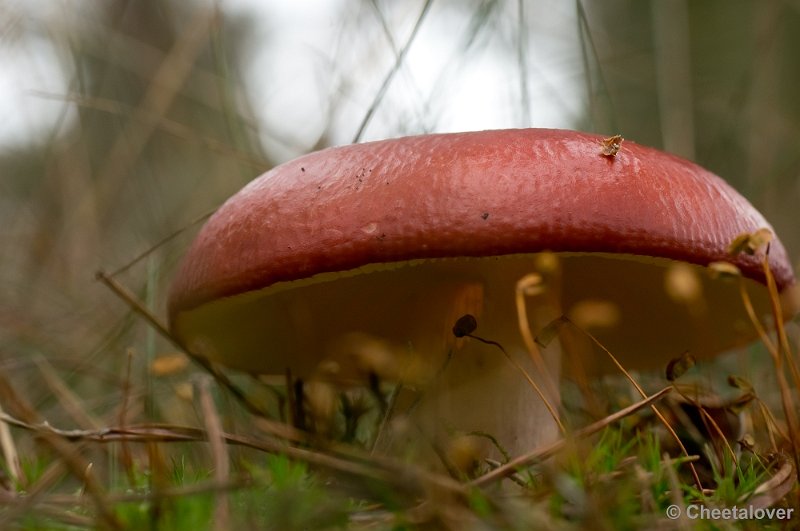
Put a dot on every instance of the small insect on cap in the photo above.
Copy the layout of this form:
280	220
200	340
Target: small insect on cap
384	238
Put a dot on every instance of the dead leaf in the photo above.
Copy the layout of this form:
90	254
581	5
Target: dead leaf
677	367
682	283
738	382
547	334
169	364
724	270
594	313
611	145
750	243
775	488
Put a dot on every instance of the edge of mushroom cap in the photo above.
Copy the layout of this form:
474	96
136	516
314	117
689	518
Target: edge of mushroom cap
466	194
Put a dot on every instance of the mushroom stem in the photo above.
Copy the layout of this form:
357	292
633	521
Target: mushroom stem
491	385
495	394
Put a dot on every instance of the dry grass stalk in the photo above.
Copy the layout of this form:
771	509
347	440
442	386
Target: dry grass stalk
64	395
522	319
68	453
10	452
219	453
784	352
675	493
390	75
130	299
780	352
126	457
163	124
659	415
546	451
709	421
538	390
162	90
401	475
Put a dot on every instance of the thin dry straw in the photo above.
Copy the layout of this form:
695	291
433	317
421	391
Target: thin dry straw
69	454
546	451
219	453
390	75
131	300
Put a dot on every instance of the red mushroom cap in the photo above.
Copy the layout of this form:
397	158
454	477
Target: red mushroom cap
474	194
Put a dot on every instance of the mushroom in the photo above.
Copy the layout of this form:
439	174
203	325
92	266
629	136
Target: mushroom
354	263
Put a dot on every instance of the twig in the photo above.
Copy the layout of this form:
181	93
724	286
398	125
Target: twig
641	392
194	489
585	33
522	64
789	411
144	254
530	344
130	299
675	492
396	473
390	75
68	453
425	113
64	395
546	451
164	87
126	458
163	123
531	381
219	453
10	452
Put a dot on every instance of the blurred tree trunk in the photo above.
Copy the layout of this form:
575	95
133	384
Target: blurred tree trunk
712	80
160	133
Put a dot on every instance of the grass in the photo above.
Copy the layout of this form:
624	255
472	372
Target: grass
614	474
621	479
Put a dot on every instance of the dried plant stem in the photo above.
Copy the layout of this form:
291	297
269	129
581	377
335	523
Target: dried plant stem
219	453
777	359
147	252
399	474
772	425
639	389
390	75
70	455
66	398
10	452
527	337
164	124
675	493
789	411
524	373
751	313
126	458
707	418
164	87
130	299
546	451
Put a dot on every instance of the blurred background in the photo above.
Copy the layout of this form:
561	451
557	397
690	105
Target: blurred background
123	122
